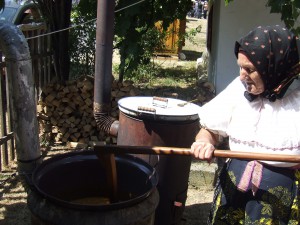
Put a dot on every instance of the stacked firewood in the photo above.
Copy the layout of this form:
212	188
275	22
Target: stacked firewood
65	112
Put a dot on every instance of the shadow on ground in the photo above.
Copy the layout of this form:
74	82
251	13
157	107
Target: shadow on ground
196	214
189	93
192	55
15	214
13	205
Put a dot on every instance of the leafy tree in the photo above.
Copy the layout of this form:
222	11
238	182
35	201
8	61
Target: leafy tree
83	38
290	11
136	30
135	34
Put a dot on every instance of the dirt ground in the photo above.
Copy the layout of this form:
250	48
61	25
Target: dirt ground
13	194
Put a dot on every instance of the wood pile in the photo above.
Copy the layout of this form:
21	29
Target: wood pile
65	111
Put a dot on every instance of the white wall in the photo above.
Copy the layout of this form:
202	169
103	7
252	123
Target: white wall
230	23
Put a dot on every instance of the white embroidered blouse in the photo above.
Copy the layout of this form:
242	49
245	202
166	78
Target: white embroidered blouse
259	126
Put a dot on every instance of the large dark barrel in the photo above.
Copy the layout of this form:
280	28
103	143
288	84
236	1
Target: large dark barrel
151	121
67	190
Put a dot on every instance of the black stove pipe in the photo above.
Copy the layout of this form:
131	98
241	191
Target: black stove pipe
103	67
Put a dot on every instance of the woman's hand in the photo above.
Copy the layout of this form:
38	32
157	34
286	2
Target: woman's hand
203	150
204	146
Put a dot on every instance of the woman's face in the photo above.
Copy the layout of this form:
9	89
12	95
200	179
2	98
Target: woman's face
249	76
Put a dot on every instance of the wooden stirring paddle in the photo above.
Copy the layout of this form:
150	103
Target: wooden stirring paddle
109	163
122	149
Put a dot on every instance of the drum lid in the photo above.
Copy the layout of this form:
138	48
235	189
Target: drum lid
159	108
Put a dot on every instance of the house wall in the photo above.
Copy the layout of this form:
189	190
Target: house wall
230	23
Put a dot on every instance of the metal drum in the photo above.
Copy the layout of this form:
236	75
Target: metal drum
71	189
155	121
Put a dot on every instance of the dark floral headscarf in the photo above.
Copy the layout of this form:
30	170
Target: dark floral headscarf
273	51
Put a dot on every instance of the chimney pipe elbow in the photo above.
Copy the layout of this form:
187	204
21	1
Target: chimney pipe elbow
107	123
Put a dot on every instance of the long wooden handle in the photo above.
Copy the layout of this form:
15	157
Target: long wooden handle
158	150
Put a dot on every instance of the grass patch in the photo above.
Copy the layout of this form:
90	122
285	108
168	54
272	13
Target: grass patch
159	79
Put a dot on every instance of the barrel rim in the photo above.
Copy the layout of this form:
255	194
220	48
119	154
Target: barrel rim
126	158
129	106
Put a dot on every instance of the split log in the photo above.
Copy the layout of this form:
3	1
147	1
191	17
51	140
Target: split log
68	110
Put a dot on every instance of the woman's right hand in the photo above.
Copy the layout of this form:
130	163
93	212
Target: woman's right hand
203	150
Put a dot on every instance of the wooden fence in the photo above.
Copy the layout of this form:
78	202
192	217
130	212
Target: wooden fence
43	72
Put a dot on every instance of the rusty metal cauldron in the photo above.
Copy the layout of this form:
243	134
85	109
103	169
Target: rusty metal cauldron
155	121
71	189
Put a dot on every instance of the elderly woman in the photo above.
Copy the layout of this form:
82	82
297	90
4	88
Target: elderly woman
258	112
